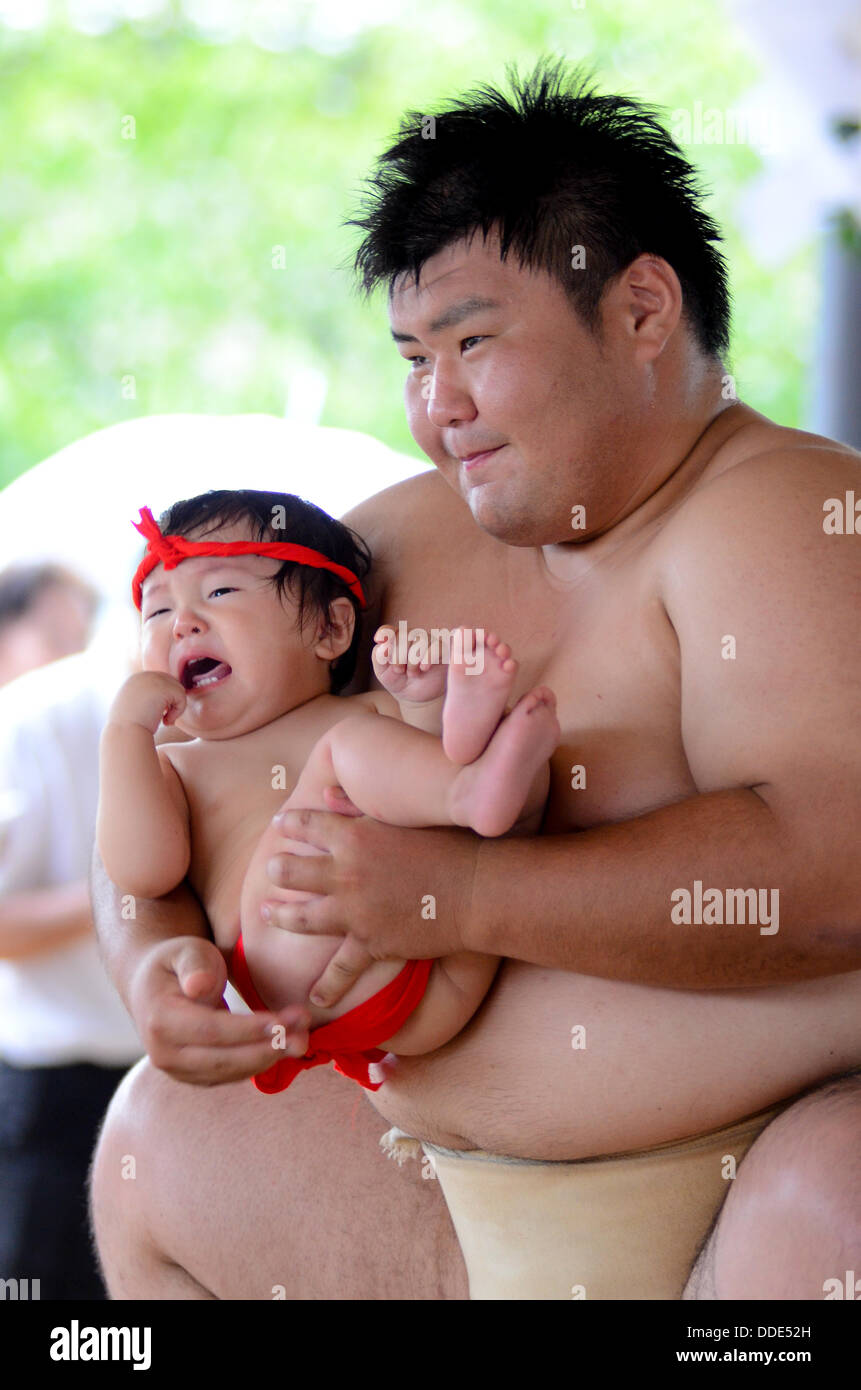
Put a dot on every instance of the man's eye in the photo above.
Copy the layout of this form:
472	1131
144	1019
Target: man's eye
419	361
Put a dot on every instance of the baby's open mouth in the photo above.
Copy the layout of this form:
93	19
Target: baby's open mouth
203	671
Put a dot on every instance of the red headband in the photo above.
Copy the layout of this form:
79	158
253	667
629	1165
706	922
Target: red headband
170	551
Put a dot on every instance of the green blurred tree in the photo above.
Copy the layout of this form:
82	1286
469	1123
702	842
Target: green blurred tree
171	209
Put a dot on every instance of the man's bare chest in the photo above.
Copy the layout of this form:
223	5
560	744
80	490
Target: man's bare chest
607	650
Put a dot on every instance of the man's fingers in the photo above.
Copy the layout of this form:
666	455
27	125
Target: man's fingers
206	1066
343	970
201	971
306	873
182	1022
316	917
209	1046
187	1028
310	827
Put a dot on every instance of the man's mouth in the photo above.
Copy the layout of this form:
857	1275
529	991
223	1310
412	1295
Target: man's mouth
203	671
472	461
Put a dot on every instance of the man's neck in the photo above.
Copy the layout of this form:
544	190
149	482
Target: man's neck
661	488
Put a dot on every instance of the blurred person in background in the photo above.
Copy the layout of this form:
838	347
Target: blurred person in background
65	1038
46	612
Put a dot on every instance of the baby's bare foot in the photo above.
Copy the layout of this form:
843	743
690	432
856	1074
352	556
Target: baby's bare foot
476	697
499	787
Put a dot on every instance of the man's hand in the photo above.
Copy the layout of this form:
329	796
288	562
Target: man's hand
395	894
175	998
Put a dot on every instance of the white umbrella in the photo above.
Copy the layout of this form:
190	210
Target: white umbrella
77	506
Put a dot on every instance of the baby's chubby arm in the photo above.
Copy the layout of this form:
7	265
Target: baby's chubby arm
142	828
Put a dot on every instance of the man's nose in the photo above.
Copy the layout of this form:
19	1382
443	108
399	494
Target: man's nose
448	402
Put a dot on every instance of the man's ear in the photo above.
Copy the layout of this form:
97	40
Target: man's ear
335	638
650	296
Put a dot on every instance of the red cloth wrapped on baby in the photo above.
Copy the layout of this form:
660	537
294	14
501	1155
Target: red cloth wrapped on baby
351	1041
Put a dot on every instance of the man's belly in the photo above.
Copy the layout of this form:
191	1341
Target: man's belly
557	1065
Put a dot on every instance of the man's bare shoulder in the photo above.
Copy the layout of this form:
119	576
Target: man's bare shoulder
417	510
768	480
399	504
418	531
759	524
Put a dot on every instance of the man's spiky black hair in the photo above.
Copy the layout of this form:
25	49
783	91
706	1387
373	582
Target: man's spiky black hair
304	524
552	167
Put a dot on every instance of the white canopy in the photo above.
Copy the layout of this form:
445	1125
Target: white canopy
77	506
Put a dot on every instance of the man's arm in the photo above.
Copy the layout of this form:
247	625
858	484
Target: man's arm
172	976
762	600
772	740
615	919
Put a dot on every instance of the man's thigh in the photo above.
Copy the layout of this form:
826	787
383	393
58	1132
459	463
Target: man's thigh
792	1218
250	1195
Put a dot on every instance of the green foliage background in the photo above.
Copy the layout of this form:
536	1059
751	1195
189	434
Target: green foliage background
152	257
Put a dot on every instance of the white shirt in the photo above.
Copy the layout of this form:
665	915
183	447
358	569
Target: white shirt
57	1007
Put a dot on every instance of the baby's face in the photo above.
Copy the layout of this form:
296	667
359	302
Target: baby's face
219	626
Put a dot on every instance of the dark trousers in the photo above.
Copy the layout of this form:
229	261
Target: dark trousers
49	1122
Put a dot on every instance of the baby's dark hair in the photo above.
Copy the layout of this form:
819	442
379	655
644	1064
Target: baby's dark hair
553	167
303	524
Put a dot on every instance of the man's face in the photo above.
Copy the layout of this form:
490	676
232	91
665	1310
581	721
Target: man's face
525	413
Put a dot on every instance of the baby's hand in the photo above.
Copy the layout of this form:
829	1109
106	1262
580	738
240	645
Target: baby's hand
148	698
418	684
